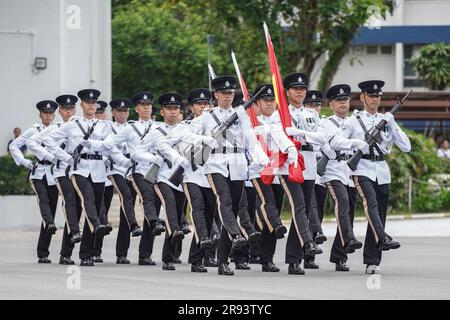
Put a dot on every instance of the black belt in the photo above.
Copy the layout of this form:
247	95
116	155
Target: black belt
307	147
87	156
127	155
228	150
342	157
373	157
45	163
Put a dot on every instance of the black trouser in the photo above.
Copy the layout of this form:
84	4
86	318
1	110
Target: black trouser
72	212
228	196
375	203
299	232
151	205
321	194
178	249
246	224
203	206
173	203
311	209
215	229
106	205
127	215
344	198
91	196
48	200
269	206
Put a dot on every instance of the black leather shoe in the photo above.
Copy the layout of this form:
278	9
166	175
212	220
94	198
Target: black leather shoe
295	268
206	243
168	266
76	237
311	249
224	270
198	267
310	264
101	230
177	237
177	261
215	239
242	266
44	260
238	242
342	266
66	261
254	260
97	259
280	231
136	231
387	244
146	262
158	228
210	262
122	260
109	228
254	238
270	267
51	228
320	238
185	228
352	245
86	262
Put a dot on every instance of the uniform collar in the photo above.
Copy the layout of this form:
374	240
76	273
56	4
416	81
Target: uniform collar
371	116
225	111
294	109
338	119
145	121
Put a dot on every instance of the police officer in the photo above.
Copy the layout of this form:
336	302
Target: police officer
226	167
88	172
71	203
372	176
304	129
337	179
270	196
41	178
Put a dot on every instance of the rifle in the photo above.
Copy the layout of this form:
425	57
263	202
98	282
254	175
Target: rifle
375	136
204	152
77	152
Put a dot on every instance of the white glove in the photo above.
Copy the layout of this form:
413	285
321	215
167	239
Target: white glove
27	163
126	163
291	131
293	156
326	149
389	117
158	160
50	157
242	114
70	162
361	145
86	143
210	141
184	163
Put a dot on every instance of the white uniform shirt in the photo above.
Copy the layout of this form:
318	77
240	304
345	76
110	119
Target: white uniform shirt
351	129
241	135
40	170
336	170
308	120
71	131
443	153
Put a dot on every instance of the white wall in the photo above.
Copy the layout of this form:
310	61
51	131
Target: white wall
76	58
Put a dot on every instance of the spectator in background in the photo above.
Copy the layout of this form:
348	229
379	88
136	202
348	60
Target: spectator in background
17	132
444	151
438	139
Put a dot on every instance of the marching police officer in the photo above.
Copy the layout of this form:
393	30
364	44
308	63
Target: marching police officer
372	176
41	178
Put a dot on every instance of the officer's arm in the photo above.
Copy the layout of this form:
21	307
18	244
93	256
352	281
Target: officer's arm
400	138
20	141
34	144
50	141
341	140
280	138
141	152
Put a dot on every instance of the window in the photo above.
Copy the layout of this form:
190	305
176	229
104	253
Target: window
386	50
372	49
410	78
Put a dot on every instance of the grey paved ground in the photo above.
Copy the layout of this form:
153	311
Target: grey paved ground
420	269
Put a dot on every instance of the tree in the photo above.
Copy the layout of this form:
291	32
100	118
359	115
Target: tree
433	65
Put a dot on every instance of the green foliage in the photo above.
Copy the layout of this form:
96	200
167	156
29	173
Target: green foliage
433	65
13	178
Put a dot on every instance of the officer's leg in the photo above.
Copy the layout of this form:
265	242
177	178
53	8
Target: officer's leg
126	201
299	233
108	194
375	230
382	194
228	200
321	193
311	211
268	205
180	200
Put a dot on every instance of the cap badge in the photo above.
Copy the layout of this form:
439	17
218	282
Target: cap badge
48	106
172	99
122	104
341	91
227	83
145	97
68	100
202	95
91	94
313	96
375	87
300	79
269	91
